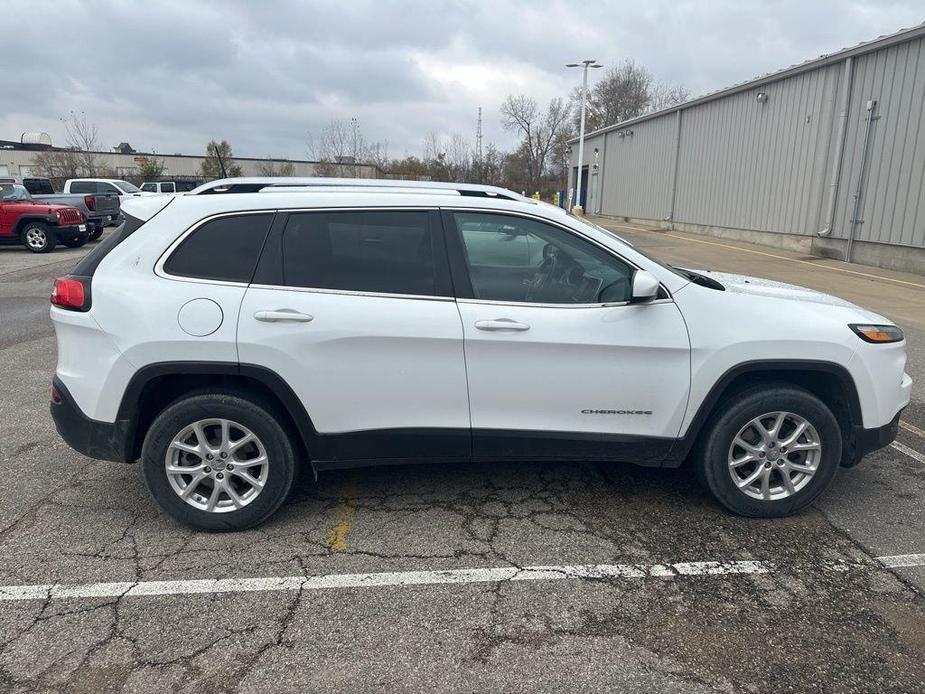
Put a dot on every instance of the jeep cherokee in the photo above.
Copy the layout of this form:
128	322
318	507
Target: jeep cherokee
227	339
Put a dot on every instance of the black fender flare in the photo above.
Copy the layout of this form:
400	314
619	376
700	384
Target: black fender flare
273	382
26	219
684	444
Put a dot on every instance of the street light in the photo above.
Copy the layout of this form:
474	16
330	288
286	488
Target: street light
584	64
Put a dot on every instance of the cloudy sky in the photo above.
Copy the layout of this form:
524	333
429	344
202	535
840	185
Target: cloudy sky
172	74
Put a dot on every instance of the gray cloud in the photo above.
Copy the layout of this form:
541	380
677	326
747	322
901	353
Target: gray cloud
171	75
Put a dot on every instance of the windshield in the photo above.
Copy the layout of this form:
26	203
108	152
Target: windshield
13	191
641	252
127	187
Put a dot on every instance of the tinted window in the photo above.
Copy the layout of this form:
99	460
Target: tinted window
226	249
149	187
38	186
377	251
519	259
83	187
107	188
167	188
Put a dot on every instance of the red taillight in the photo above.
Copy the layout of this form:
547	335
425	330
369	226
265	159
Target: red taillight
90	202
56	396
72	293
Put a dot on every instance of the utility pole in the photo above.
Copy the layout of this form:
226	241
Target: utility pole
584	64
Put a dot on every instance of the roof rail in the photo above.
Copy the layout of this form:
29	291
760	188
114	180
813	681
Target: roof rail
393	190
257	184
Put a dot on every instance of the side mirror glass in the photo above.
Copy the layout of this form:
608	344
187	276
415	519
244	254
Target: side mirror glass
645	286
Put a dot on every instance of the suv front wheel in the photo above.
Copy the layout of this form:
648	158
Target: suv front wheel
38	238
216	461
770	451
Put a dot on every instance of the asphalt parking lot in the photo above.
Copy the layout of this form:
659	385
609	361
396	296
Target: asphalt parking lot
522	577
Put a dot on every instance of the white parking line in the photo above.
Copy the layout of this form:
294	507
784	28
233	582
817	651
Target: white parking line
899	561
911	452
371	580
131	589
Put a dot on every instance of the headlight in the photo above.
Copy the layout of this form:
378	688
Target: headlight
877	333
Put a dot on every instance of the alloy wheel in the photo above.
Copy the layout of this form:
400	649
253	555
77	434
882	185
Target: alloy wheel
36	238
774	456
217	465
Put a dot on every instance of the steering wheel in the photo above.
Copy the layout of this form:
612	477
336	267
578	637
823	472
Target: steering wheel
544	273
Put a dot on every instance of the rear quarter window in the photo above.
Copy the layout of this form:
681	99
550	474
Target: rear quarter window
225	249
82	187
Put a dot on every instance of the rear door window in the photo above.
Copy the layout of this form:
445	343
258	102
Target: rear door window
149	188
376	251
225	249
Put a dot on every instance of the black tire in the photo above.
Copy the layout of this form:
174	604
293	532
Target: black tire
38	237
260	418
76	241
96	233
711	458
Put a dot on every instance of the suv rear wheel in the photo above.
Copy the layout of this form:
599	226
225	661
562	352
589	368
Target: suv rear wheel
770	451
38	238
216	461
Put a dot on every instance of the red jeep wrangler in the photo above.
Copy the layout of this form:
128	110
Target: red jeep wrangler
37	225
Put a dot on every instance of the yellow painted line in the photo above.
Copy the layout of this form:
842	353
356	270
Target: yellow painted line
774	255
346	507
912	429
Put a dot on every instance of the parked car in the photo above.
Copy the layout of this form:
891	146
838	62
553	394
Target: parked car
38	225
111	186
349	325
99	209
176	186
158	187
114	186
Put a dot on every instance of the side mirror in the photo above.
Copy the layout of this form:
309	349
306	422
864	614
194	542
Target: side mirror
645	286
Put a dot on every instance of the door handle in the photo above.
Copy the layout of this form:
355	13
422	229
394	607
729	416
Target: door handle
501	324
283	314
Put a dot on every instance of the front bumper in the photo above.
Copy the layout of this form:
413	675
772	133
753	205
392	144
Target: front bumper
866	441
101	440
71	232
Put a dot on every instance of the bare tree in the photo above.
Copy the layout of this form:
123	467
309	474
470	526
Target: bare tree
539	130
78	158
662	96
83	136
342	149
269	168
622	94
627	91
58	164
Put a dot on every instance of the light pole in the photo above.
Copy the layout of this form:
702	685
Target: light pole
584	64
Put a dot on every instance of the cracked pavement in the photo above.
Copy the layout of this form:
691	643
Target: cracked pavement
809	625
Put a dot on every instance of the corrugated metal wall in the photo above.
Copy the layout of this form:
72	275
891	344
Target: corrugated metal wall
751	165
893	206
637	170
744	164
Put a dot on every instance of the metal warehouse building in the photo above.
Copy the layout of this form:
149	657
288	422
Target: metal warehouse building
826	157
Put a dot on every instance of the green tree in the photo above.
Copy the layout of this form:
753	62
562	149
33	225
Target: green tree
218	162
150	168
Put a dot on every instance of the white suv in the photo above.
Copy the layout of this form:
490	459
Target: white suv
228	339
